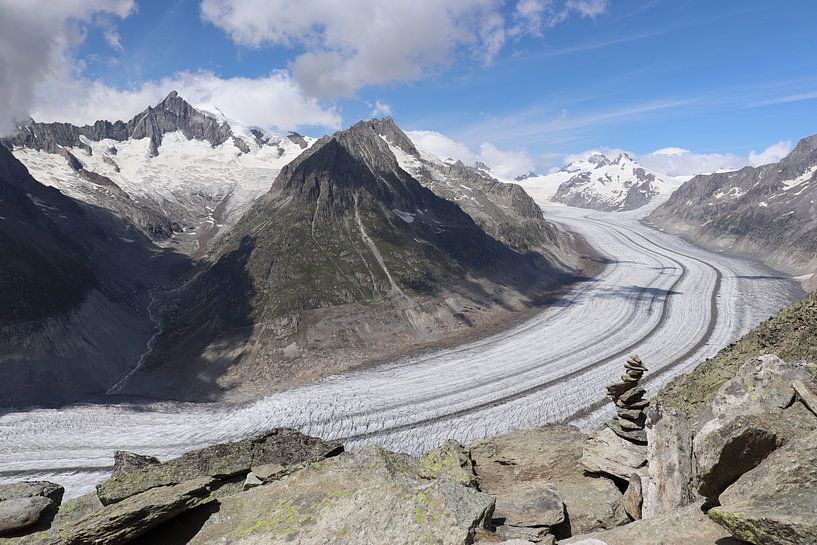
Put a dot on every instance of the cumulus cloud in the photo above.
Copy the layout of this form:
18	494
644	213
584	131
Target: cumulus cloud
36	40
674	161
502	162
381	109
505	163
273	101
772	154
348	45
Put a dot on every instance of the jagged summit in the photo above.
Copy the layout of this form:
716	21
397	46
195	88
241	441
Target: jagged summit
607	185
172	114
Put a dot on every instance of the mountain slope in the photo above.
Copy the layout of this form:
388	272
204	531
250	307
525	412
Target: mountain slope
73	278
766	211
599	183
503	210
177	172
347	260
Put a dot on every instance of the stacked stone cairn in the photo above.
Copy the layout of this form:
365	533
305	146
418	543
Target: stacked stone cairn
630	404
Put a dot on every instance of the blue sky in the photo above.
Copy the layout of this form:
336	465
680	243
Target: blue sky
535	80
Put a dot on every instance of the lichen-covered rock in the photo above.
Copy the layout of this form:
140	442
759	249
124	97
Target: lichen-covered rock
607	452
125	520
19	513
451	461
281	446
685	526
775	503
370	496
23	504
549	456
125	462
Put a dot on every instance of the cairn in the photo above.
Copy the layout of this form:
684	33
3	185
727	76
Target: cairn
631	406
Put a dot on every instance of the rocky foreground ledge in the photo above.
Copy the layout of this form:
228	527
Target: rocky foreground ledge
733	461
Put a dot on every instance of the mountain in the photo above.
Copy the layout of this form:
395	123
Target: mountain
178	172
767	211
599	183
505	211
347	260
74	282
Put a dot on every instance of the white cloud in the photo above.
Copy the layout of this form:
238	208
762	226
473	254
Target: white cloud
443	147
273	101
349	45
502	162
505	163
36	40
772	154
381	109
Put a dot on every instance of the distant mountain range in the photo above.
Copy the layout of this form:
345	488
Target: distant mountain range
599	183
177	172
768	212
184	255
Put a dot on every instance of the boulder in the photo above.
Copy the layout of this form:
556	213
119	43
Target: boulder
23	504
529	513
251	481
125	462
451	461
728	452
775	503
19	513
282	446
606	452
269	472
129	518
369	496
685	526
632	499
669	462
507	465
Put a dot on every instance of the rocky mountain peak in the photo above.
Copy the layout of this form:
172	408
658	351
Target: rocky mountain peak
388	129
598	159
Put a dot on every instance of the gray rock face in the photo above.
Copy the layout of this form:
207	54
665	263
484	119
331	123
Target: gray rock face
365	497
669	459
730	451
775	503
515	467
283	446
608	453
23	504
19	513
768	211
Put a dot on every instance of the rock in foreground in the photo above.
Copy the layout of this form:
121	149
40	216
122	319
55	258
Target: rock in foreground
282	446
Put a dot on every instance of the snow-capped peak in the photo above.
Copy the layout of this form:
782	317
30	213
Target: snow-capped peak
600	183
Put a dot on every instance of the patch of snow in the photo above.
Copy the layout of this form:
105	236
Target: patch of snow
803	178
408	217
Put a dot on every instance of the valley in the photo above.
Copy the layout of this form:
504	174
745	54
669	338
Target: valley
673	303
